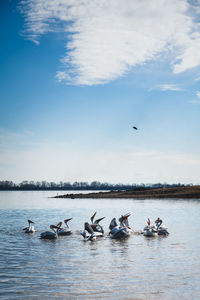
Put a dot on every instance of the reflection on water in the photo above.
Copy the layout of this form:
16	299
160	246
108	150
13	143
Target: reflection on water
69	268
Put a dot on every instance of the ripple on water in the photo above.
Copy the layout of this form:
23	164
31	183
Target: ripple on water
69	268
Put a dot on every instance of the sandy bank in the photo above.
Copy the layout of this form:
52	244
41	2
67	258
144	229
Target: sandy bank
143	193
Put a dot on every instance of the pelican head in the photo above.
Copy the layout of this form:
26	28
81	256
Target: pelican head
124	220
59	224
124	217
30	222
53	227
67	220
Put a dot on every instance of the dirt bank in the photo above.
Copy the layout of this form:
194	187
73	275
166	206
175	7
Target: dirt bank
143	193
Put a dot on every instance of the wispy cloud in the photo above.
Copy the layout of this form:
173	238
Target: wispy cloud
169	87
197	100
109	37
198	94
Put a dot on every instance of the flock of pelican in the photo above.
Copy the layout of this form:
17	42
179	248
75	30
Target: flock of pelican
94	230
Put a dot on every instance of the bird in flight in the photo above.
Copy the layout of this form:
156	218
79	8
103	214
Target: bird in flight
135	128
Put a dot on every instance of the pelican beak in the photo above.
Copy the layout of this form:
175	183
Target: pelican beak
92	218
67	220
99	220
29	221
126	216
54	226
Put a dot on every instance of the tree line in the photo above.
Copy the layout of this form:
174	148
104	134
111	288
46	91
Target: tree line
78	186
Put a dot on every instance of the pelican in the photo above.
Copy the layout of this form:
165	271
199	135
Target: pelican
66	230
124	222
149	231
88	233
50	234
97	228
161	230
119	231
30	228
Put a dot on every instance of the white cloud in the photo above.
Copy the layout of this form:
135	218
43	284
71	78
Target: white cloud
108	37
198	94
190	57
169	87
197	100
63	76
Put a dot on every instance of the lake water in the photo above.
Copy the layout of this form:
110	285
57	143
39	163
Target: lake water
69	268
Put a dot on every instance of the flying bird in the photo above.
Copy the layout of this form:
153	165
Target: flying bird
135	128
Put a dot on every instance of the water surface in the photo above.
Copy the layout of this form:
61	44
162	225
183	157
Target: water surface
69	268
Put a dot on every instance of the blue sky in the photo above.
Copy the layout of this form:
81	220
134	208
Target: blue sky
77	75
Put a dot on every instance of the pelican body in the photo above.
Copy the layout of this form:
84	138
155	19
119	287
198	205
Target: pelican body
51	235
88	233
162	230
149	231
30	228
120	231
65	230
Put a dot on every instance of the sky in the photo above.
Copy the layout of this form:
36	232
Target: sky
77	75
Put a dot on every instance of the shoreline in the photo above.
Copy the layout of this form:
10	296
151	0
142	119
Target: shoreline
186	192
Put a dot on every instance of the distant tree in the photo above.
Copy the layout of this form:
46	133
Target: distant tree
6	184
94	185
52	185
67	185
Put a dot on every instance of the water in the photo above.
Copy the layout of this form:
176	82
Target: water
69	268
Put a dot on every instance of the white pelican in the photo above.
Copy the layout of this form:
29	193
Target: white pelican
98	229
30	228
88	233
118	231
66	230
50	234
162	230
149	231
124	222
